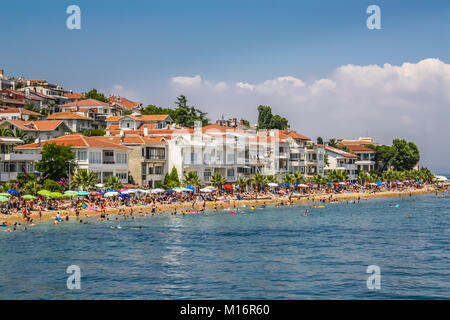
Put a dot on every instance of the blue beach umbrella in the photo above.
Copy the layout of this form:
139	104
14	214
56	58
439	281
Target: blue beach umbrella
285	184
113	190
190	188
13	192
378	183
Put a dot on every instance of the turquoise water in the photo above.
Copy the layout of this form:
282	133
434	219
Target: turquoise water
272	253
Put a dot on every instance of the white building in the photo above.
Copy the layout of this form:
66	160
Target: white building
14	162
341	160
105	158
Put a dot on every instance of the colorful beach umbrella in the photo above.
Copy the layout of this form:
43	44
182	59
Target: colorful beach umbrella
96	194
3	199
228	186
29	197
111	194
44	193
83	193
56	195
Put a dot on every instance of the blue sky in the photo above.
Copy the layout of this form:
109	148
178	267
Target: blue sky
139	46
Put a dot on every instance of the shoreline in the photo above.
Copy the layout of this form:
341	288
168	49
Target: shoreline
221	204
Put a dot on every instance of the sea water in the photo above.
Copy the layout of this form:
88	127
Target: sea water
265	253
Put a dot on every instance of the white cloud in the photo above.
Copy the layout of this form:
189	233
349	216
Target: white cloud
411	101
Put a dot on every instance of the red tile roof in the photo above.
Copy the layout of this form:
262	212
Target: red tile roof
355	148
20	111
123	102
338	151
74	95
86	103
77	141
143	118
41	125
67	115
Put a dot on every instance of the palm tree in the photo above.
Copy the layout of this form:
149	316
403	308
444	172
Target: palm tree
298	177
113	182
31	187
319	180
288	178
84	179
333	143
271	179
5	132
191	178
22	135
258	180
242	183
217	180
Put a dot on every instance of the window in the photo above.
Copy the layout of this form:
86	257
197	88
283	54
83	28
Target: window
121	158
95	157
82	155
159	170
230	173
122	175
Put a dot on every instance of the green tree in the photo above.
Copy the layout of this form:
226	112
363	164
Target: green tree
114	183
51	185
57	161
319	140
326	160
242	183
333	143
278	122
94	132
266	120
21	134
183	115
5	132
217	180
94	94
171	179
258	180
191	178
84	179
406	156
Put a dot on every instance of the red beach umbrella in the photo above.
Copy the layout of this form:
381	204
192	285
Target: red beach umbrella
97	194
228	186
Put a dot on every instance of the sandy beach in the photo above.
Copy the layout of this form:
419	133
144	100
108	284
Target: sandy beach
220	204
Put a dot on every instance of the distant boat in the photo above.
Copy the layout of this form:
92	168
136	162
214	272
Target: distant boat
441	178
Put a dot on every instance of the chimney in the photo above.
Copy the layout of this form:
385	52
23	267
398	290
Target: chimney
145	131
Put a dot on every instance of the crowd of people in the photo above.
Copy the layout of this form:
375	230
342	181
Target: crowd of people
184	202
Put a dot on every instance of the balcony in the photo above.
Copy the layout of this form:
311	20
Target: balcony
20	157
155	157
